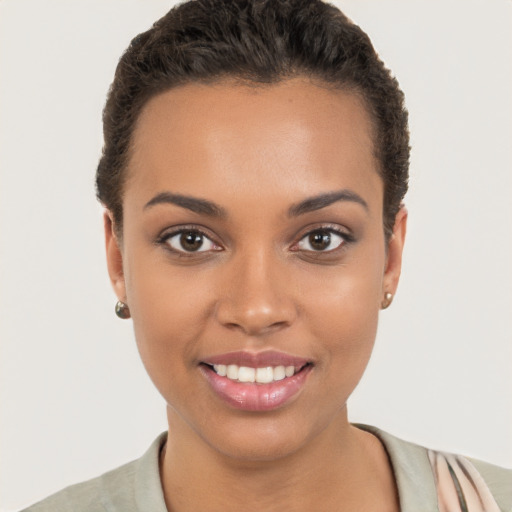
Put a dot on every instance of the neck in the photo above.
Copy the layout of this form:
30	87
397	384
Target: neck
339	466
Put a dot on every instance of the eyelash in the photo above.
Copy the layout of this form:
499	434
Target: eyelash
324	229
346	238
166	237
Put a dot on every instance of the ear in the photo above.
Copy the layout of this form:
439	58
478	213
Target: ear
114	257
394	253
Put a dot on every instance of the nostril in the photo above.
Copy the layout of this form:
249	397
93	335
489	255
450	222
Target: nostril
250	328
255	328
278	325
255	313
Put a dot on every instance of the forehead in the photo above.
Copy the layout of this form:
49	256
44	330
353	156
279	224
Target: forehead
295	136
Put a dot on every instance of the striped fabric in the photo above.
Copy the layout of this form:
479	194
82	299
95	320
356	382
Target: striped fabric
460	488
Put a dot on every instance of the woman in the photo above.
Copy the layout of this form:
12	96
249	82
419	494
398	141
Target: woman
255	160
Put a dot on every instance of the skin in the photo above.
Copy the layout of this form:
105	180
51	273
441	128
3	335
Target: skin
256	152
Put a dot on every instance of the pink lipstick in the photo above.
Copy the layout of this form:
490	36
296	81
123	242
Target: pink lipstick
256	381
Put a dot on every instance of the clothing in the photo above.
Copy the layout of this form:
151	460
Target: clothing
136	487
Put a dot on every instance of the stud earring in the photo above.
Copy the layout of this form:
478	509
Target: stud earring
122	310
388	299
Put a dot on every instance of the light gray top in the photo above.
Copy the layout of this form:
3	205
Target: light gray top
136	487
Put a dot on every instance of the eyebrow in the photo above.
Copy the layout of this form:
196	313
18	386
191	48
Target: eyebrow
194	204
320	201
205	207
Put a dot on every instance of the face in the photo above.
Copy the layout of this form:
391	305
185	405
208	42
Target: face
253	260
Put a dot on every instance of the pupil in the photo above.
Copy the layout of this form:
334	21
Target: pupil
191	241
320	240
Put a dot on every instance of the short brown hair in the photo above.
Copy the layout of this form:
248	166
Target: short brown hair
262	42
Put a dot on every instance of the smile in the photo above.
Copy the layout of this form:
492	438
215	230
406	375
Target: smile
256	382
262	375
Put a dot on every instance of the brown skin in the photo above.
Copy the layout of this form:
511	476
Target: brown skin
256	152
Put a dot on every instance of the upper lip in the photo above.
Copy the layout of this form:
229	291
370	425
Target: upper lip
257	359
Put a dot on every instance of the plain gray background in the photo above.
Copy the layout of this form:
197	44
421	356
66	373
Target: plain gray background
75	400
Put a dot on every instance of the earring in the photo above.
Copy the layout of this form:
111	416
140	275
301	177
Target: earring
122	310
388	299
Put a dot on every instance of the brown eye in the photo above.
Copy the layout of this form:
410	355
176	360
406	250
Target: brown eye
321	240
191	240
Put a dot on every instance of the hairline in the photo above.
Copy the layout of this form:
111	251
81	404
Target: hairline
230	79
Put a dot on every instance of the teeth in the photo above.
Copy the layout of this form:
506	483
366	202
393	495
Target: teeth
232	372
289	371
221	369
279	373
263	375
246	374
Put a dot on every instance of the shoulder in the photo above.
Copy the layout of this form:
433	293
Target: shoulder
499	481
467	481
92	495
429	476
131	487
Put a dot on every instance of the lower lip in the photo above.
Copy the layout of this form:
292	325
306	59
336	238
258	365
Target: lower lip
256	397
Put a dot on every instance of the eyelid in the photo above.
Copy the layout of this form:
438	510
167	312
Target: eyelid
336	229
171	232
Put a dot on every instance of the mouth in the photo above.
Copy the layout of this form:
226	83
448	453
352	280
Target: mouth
256	382
261	375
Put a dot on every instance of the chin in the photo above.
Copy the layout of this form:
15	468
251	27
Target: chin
259	447
256	440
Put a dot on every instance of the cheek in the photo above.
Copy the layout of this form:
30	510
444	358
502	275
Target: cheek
163	303
170	307
347	323
343	314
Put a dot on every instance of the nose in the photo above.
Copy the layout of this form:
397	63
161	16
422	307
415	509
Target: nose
256	295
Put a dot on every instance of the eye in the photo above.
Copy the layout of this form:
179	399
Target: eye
321	240
190	240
